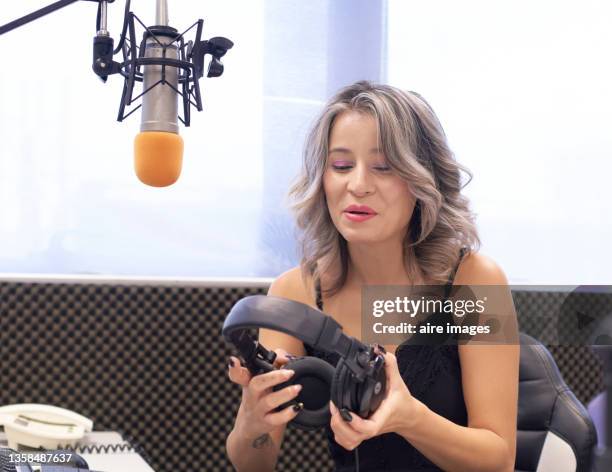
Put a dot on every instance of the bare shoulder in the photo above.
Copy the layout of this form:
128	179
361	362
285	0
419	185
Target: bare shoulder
478	269
292	285
488	281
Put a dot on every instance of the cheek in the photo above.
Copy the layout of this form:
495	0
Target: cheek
329	185
401	193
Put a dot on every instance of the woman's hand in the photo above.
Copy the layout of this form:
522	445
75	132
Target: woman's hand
397	409
256	415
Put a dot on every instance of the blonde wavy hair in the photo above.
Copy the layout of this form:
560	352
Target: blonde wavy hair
415	147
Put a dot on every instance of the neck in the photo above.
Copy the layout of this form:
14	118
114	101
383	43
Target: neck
377	264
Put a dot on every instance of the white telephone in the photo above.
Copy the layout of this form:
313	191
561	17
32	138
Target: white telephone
36	426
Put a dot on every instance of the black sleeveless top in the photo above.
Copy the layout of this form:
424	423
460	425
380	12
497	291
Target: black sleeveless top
433	376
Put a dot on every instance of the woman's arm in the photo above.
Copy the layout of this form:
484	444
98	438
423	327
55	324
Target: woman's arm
490	389
249	450
253	451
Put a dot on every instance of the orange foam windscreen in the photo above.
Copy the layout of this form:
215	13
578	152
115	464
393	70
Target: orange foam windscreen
158	157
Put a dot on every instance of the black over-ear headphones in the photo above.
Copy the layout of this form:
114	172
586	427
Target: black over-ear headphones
358	383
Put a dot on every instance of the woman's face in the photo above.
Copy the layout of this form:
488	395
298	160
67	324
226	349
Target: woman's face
366	201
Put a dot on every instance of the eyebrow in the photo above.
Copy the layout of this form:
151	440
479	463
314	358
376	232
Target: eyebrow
344	150
340	149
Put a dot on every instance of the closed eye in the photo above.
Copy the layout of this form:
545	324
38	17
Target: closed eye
341	167
383	169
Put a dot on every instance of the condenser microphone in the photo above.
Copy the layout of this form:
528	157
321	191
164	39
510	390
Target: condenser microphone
158	148
168	66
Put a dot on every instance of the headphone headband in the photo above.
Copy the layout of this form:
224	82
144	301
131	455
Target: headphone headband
356	383
290	317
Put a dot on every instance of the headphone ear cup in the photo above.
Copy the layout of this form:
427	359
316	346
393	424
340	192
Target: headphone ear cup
341	393
315	375
361	398
336	386
372	392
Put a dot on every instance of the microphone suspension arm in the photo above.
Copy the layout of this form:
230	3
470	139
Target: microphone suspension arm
42	12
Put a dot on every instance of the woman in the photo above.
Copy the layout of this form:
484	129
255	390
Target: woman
379	203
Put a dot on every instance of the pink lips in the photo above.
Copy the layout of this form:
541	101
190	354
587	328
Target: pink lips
359	213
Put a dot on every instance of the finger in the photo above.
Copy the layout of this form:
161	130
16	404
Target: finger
275	399
347	442
341	427
237	373
365	428
343	414
390	362
391	370
283	416
282	357
260	383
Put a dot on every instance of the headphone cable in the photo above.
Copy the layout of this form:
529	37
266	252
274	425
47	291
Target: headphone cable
357	459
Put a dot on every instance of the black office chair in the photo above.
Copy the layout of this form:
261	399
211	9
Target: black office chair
555	432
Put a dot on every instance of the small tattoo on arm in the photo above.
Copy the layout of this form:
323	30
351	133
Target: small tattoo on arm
262	441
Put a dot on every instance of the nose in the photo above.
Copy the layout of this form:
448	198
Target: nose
360	182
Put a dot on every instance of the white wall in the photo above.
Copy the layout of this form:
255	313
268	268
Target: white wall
524	92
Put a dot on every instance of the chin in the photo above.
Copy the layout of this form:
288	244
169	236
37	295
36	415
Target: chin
361	236
370	235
